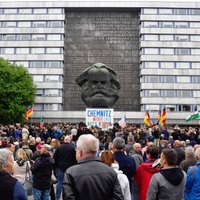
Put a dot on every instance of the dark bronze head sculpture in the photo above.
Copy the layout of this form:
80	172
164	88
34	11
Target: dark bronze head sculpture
99	86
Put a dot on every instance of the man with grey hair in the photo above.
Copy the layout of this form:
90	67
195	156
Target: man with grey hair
126	163
136	153
192	190
10	188
90	179
189	159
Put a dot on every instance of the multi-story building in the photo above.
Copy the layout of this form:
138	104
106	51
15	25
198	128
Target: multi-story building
153	46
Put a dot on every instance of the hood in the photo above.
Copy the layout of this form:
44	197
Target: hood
173	175
148	167
115	166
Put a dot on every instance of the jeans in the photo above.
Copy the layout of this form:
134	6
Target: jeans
59	184
41	194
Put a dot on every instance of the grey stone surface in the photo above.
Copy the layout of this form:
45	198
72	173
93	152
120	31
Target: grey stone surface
111	38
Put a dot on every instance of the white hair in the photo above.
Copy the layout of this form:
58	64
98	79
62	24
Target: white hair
88	144
4	158
197	153
190	151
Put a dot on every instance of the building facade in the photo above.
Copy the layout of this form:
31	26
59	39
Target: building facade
153	46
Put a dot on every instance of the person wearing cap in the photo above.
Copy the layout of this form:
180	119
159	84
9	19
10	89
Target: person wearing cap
42	170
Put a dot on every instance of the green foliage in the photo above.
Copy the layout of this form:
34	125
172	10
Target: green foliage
17	92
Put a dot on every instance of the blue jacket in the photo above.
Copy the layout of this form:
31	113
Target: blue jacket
192	187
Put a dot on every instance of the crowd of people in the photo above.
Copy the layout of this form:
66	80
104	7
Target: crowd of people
72	161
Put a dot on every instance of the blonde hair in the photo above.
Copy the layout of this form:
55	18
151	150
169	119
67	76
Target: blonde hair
21	154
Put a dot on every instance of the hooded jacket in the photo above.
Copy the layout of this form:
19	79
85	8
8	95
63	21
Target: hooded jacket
143	176
168	184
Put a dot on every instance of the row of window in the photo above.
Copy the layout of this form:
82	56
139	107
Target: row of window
28	37
171	93
49	92
40	64
47	78
169	24
180	38
171	108
171	79
47	107
31	24
29	11
32	50
170	11
170	65
170	51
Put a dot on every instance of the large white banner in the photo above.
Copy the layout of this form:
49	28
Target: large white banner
102	118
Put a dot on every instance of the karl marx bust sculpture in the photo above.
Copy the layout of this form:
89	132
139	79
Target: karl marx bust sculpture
99	86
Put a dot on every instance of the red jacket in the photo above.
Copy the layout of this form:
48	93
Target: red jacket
143	176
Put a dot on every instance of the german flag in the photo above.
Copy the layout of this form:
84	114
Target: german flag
162	121
28	113
147	119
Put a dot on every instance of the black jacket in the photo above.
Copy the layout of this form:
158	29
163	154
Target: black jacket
65	156
91	179
42	170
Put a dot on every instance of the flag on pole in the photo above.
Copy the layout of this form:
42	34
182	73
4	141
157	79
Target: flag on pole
28	113
147	119
122	122
42	122
194	116
162	121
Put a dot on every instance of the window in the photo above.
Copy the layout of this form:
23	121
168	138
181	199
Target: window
53	64
24	37
166	65
37	64
195	51
180	11
168	79
195	65
53	50
38	78
37	106
150	24
182	51
195	79
168	93
170	108
150	11
182	38
52	107
39	24
152	107
165	11
151	64
194	24
55	11
166	37
194	11
54	37
25	11
183	65
39	92
9	24
181	24
39	11
166	25
24	24
8	37
51	93
154	51
24	63
184	93
184	108
38	37
195	38
52	78
152	93
22	50
166	51
8	50
37	50
151	79
55	24
183	79
196	93
10	11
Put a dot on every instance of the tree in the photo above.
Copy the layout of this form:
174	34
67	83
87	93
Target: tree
17	92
